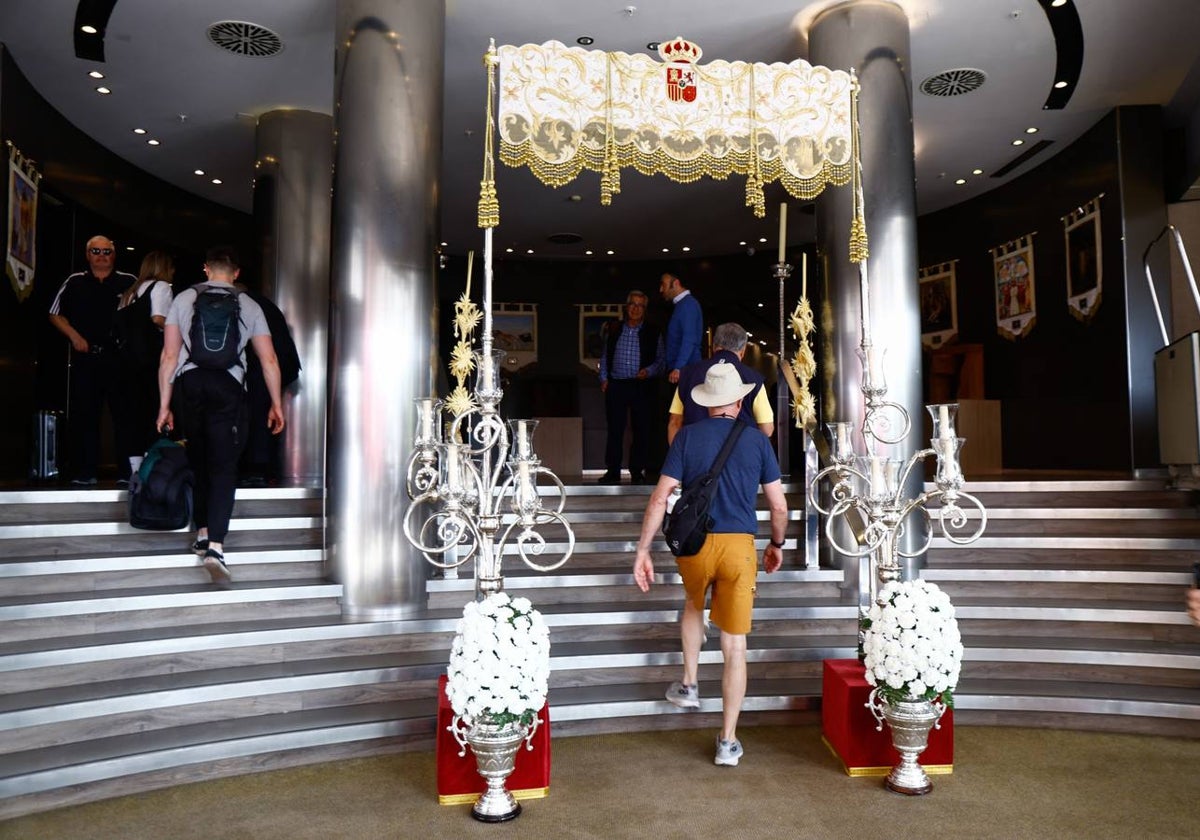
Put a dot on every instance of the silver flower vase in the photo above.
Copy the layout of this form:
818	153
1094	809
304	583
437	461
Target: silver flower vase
910	721
495	747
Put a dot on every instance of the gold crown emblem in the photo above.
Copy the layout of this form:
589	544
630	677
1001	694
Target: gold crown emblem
680	50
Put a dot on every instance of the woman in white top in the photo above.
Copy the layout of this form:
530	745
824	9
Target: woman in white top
141	314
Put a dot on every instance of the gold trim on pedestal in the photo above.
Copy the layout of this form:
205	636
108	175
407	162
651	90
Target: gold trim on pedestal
880	772
470	798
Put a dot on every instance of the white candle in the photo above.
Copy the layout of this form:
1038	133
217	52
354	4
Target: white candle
878	488
944	430
782	230
804	274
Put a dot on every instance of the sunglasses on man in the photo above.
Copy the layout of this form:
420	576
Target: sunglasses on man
95	252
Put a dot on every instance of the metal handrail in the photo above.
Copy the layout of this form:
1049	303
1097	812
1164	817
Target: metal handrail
1187	267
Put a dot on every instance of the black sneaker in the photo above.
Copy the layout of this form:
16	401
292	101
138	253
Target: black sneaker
200	548
214	562
84	482
609	478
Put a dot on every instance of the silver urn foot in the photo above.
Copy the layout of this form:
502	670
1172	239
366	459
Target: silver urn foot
495	748
910	722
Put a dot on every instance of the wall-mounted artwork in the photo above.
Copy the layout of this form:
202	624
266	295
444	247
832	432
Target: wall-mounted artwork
20	260
1016	301
939	304
514	330
595	319
1085	274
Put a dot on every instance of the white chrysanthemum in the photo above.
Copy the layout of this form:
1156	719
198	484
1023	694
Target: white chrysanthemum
911	645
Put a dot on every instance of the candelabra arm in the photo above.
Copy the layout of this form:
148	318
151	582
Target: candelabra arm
958	517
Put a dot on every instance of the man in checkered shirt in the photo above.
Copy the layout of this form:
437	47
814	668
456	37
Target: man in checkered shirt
632	358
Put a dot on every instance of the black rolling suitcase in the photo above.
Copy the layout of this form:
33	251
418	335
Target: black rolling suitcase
44	453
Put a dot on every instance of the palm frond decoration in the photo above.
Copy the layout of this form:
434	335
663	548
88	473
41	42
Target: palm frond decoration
466	317
803	323
459	401
804	364
462	361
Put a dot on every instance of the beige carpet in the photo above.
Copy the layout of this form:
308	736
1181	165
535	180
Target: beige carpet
1007	783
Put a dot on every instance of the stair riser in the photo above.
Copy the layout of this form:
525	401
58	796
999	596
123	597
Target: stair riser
151	542
104	583
1086	674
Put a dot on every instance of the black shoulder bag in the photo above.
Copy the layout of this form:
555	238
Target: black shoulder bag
688	524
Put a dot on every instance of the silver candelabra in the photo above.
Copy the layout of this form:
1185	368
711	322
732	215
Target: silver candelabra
460	479
866	491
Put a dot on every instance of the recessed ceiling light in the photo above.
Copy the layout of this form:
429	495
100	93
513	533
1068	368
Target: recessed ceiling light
103	90
666	250
152	142
88	29
216	180
1057	3
139	131
760	306
128	247
743	242
96	74
749	335
961	181
763	343
508	250
976	171
1060	85
589	253
529	251
1031	130
443	244
198	171
653	46
762	239
1018	142
685	248
585	40
610	252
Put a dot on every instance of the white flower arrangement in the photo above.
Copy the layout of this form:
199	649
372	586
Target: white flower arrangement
500	663
912	646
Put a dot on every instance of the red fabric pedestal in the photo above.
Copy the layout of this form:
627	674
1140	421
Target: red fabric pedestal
849	728
458	779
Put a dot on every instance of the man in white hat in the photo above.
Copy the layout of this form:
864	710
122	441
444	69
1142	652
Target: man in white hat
727	563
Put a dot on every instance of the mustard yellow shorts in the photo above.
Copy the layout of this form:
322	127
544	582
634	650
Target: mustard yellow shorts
729	564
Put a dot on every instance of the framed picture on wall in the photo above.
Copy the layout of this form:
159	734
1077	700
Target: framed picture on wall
1085	269
595	320
939	304
514	330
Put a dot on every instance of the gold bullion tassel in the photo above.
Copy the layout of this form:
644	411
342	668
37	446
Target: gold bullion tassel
610	170
754	181
859	250
489	204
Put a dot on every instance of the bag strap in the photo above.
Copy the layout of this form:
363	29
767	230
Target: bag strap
726	449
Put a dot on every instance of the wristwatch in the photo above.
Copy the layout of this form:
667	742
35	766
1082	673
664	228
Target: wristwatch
778	544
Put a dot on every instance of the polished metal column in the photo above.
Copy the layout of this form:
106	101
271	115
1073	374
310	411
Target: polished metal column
293	180
388	126
872	38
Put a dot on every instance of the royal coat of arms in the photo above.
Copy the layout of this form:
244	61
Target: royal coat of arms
681	57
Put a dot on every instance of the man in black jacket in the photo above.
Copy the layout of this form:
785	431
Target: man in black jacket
633	357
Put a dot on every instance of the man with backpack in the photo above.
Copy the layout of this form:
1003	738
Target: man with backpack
726	563
201	383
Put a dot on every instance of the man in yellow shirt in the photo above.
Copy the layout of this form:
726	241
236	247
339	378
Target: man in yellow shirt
729	345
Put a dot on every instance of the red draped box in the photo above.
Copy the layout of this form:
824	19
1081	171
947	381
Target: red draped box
458	779
849	728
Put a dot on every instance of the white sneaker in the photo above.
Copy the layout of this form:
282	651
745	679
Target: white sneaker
729	753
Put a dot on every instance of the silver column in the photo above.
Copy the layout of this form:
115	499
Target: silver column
293	180
871	37
388	122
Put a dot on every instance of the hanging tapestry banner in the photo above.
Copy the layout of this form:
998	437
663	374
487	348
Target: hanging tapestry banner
939	304
564	109
1085	268
1016	304
22	222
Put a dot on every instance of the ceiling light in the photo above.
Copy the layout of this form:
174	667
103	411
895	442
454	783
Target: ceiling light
443	244
589	253
139	131
976	171
1057	3
103	90
96	74
685	248
749	335
1018	142
88	29
961	181
216	181
585	40
1031	130
529	251
128	247
653	46
743	242
508	250
763	343
1060	85
666	250
610	252
760	306
198	171
152	142
762	239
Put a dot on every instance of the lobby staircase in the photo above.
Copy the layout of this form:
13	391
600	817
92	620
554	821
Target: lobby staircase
122	669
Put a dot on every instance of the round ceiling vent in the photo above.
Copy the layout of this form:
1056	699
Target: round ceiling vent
954	82
564	238
244	38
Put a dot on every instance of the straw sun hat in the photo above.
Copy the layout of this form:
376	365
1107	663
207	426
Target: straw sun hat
722	386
